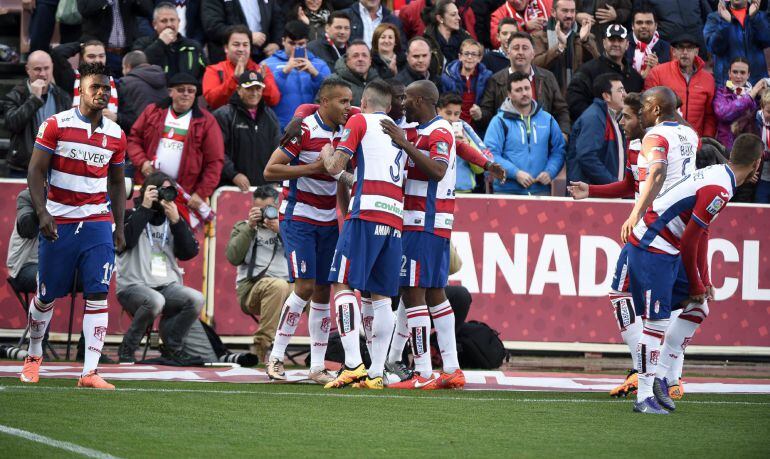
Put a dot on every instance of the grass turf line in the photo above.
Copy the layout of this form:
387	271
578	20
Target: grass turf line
292	420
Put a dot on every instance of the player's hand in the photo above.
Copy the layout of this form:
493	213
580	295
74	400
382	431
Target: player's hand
150	196
524	179
195	201
699	298
497	171
272	224
167	36
396	133
171	211
578	190
119	239
255	216
242	182
259	38
651	60
475	112
290	64
561	37
293	129
48	226
38	88
628	227
544	178
147	168
710	293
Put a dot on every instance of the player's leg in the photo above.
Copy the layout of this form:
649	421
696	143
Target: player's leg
413	295
443	316
367	319
397	342
629	323
319	317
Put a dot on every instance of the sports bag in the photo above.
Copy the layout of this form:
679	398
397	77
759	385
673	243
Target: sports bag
479	346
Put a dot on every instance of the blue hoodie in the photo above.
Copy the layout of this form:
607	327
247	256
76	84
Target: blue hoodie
531	143
296	87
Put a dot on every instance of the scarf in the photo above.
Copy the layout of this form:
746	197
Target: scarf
534	10
334	47
317	18
739	90
642	50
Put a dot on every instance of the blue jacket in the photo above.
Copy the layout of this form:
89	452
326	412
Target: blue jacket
297	87
728	40
454	82
533	144
592	154
466	174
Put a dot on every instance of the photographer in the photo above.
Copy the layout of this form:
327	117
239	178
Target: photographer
256	248
149	280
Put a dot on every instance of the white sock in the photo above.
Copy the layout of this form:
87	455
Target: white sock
287	325
648	354
319	322
631	336
678	336
630	325
39	318
95	330
444	323
400	334
382	331
348	325
418	319
367	317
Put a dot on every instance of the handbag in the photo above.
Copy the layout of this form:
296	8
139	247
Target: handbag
67	12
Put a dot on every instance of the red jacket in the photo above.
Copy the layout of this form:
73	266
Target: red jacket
697	95
414	27
203	154
535	8
219	84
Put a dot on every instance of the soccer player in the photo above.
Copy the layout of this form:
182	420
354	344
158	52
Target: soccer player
309	229
368	252
80	154
669	259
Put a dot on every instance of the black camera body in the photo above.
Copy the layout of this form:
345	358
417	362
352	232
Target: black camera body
167	193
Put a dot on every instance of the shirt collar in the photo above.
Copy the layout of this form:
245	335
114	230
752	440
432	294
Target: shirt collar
365	13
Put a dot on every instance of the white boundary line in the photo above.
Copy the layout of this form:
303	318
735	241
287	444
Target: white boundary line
370	395
67	446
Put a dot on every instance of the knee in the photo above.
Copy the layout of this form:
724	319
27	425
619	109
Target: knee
197	300
303	288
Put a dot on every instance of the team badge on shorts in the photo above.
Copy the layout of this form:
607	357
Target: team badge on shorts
303	267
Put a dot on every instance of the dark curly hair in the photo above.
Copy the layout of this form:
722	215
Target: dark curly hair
94	68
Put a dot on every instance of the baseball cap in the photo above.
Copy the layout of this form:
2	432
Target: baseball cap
251	78
616	30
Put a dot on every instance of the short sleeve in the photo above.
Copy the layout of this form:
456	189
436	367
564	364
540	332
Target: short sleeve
294	146
47	135
119	155
655	149
709	201
352	134
440	142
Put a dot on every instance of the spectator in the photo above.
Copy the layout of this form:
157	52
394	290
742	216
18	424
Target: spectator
387	54
412	16
740	30
482	11
580	92
251	132
67	77
313	13
142	84
190	25
563	46
646	49
298	77
113	22
602	14
596	152
468	76
450	108
263	19
42	23
418	61
497	59
169	49
332	45
180	139
27	105
444	33
734	103
691	82
221	79
545	89
356	68
677	16
256	248
530	15
365	16
149	279
526	140
763	125
22	247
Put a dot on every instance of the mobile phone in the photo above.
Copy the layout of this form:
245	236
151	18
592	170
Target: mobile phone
457	127
299	52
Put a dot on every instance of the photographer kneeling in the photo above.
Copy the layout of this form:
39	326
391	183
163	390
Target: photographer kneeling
256	248
149	280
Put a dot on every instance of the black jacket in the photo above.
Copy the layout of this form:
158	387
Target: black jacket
63	72
356	81
409	76
580	92
19	108
97	18
383	69
249	143
183	55
675	17
217	15
357	24
325	51
143	85
185	245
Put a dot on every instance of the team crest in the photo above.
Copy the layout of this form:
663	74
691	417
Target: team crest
367	322
37	325
104	141
292	318
345	134
100	333
303	266
654	355
442	148
715	206
326	324
253	76
41	130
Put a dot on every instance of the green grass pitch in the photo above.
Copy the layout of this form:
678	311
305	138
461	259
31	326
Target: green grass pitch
152	419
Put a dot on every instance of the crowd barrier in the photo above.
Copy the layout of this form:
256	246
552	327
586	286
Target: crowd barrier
538	269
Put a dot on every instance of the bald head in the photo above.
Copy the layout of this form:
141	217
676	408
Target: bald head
421	99
425	89
658	104
39	67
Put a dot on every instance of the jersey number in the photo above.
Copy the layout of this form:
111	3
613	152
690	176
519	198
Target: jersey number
107	273
395	169
684	165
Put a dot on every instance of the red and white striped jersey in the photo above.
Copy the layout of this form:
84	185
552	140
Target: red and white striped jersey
311	199
80	162
112	105
673	144
699	196
428	204
377	194
632	163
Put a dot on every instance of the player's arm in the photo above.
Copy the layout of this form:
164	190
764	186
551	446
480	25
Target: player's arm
703	266
475	157
433	168
693	238
654	148
335	161
343	197
709	201
39	164
279	167
116	189
620	189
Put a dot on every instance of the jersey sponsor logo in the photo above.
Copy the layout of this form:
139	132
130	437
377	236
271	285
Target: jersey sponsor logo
41	130
384	206
345	134
715	206
91	158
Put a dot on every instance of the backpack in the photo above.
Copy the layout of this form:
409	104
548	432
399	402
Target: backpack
479	346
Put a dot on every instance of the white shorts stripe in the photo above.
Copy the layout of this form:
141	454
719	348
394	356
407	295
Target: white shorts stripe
412	273
343	268
294	269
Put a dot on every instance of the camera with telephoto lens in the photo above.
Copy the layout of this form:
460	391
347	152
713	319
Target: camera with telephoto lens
269	213
167	193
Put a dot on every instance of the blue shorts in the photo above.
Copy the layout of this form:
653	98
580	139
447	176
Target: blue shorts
309	249
425	262
620	281
658	282
84	247
367	257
